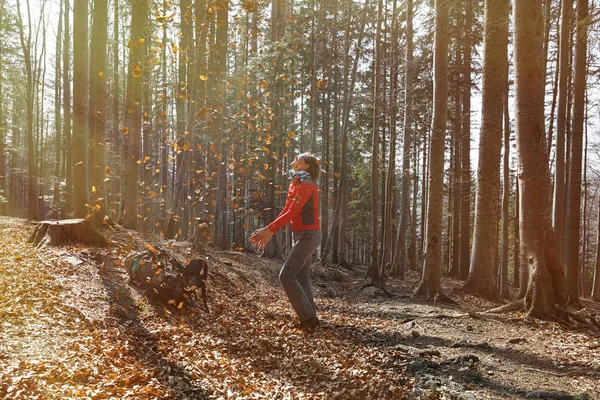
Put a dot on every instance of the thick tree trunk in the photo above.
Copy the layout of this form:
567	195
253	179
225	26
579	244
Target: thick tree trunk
430	285
572	249
537	239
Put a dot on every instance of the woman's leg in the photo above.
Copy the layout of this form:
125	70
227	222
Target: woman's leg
295	269
304	274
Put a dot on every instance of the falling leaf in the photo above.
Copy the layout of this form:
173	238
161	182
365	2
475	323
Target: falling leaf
100	74
107	170
93	189
139	43
137	72
203	78
174	48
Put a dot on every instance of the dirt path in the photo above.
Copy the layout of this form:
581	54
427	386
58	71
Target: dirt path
74	328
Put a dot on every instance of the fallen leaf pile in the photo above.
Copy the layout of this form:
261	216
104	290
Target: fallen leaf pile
74	327
66	336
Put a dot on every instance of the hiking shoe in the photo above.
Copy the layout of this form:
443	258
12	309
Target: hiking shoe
310	323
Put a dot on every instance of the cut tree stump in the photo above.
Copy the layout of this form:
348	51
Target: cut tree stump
57	232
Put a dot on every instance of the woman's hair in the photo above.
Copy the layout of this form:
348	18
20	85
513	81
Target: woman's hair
313	165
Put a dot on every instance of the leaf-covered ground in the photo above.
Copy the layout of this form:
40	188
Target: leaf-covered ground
72	327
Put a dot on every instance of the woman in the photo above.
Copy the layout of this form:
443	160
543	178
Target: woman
302	212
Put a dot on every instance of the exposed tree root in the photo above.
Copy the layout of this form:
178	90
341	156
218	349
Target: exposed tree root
386	292
592	323
518	305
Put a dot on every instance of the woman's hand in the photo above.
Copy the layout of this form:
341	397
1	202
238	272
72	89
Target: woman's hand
261	237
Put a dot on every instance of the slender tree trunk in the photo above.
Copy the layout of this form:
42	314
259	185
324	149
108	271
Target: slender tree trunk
133	118
485	242
465	211
505	192
115	184
66	87
29	99
390	182
400	258
572	249
216	124
376	265
80	107
98	108
430	286
57	116
340	214
596	286
561	123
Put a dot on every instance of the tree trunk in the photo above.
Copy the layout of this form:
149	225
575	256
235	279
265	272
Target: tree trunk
506	184
596	286
482	279
430	285
404	213
537	237
561	123
57	117
29	99
98	108
465	211
133	117
217	111
572	249
79	148
376	266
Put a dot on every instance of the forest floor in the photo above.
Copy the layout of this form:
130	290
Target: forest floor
73	327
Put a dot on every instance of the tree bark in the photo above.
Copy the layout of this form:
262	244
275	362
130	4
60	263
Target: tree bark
561	123
465	211
376	266
482	279
572	249
537	237
29	99
596	286
98	108
430	285
133	116
79	148
404	213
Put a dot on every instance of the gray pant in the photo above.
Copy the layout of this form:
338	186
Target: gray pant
295	274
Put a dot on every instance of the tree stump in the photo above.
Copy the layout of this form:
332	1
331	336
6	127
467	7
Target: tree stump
57	232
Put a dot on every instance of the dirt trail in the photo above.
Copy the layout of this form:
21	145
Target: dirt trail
74	328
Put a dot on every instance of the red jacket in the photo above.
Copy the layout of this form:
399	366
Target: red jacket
302	206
